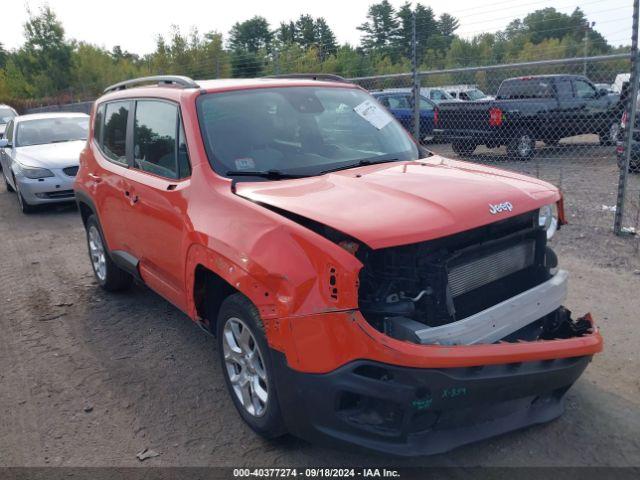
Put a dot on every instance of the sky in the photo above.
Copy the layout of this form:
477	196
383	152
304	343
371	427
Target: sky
134	24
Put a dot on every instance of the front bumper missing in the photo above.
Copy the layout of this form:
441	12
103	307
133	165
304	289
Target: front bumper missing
503	319
409	411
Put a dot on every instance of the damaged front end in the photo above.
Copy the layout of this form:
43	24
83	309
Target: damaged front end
499	282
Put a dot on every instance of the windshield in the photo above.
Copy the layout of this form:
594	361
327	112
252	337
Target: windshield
52	130
6	114
298	131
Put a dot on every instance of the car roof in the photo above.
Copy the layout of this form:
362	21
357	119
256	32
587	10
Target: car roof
43	116
220	85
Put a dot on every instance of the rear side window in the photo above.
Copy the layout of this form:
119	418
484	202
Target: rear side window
158	140
114	141
525	88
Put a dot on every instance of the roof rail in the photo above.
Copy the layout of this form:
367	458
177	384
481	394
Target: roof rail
184	82
329	77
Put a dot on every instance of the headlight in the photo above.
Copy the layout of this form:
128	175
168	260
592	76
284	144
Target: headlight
34	173
548	219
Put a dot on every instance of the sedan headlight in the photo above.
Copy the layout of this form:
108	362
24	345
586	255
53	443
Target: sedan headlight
34	173
548	219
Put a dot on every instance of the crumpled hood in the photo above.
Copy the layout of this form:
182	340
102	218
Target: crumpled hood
405	202
51	155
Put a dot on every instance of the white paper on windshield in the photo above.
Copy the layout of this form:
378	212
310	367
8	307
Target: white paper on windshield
373	113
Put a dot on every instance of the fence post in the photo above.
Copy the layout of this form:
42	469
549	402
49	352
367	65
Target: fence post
631	110
416	80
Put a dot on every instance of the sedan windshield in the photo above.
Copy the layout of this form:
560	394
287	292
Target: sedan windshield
6	114
298	131
51	130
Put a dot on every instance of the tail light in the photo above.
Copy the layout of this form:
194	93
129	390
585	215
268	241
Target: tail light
495	117
620	149
435	116
624	120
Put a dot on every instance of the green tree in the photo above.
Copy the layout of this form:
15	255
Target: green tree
251	35
45	58
380	31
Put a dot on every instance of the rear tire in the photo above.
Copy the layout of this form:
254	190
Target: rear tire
247	367
521	147
463	149
110	277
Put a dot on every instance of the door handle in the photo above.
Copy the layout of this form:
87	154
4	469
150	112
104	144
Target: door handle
95	177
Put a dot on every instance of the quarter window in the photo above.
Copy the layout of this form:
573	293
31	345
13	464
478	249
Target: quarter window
114	141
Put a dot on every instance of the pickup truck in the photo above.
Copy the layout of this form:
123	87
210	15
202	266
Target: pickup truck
527	109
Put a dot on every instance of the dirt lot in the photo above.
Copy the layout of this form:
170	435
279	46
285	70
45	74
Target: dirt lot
89	379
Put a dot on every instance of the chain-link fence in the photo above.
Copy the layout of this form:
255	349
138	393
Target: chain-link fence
558	120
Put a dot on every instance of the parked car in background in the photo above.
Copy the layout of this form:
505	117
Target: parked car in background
400	104
6	114
526	109
468	93
362	290
39	156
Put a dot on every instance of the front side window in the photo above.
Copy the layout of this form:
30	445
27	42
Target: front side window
298	131
154	138
425	105
114	135
51	130
584	89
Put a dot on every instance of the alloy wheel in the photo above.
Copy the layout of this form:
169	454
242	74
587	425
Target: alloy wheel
97	253
524	146
245	367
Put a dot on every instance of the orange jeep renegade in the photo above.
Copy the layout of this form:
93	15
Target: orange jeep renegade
362	290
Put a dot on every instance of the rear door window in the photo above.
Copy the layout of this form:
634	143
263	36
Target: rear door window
114	141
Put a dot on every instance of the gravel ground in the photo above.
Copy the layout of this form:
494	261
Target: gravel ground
90	379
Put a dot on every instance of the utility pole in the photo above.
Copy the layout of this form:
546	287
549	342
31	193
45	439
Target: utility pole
416	80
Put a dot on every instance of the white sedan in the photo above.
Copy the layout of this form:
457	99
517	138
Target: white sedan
39	156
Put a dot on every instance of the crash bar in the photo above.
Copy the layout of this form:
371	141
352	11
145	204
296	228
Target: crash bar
179	80
501	320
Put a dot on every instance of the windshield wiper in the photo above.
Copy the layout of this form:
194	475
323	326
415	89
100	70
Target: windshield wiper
271	174
360	163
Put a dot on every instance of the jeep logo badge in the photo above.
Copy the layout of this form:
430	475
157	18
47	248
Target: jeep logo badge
500	207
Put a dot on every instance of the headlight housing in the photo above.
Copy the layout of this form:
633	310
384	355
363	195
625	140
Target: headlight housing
34	173
548	219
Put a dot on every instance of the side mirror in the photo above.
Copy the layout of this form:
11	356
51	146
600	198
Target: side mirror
4	143
603	92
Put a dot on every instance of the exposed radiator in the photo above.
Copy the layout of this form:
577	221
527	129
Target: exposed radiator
481	271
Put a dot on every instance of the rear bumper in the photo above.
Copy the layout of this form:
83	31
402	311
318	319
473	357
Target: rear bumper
477	137
421	411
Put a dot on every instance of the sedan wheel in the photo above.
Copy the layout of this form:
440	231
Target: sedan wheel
245	367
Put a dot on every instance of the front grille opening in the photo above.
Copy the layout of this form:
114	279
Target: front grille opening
375	415
445	280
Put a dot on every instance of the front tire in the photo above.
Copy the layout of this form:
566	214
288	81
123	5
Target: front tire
109	276
247	367
25	207
521	147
